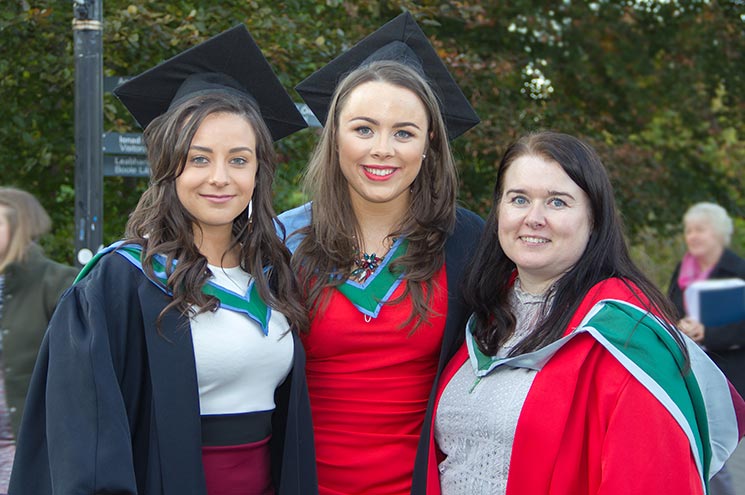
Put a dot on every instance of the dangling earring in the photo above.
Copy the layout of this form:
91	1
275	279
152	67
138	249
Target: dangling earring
250	211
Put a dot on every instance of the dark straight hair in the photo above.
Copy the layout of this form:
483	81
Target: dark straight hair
489	278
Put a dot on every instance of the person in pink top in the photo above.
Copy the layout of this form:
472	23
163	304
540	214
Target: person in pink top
708	230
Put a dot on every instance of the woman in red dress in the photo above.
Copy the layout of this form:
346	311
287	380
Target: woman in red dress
380	251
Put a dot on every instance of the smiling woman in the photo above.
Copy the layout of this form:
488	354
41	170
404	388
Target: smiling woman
544	221
180	343
380	252
217	183
382	138
573	379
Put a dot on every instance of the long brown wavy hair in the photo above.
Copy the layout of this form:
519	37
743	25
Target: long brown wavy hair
161	224
325	254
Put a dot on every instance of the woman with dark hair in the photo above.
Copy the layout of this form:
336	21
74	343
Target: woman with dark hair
572	379
380	252
173	365
30	285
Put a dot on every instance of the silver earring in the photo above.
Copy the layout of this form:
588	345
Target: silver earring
250	210
424	156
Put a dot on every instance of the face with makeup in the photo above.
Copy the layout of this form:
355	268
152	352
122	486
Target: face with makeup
382	135
218	179
544	221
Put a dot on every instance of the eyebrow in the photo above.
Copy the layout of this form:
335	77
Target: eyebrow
550	193
231	150
396	125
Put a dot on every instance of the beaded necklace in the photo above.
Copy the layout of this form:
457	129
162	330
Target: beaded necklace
364	265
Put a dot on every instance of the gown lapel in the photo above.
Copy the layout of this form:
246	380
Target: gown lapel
369	296
175	395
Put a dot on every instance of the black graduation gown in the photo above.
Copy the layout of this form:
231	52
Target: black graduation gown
113	404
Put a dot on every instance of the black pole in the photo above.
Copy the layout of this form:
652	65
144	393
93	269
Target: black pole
87	28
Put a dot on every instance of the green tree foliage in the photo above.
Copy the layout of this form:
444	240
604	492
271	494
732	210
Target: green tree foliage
656	86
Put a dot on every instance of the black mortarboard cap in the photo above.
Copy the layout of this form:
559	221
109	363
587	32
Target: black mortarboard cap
231	62
402	40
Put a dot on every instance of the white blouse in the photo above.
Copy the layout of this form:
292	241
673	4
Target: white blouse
238	367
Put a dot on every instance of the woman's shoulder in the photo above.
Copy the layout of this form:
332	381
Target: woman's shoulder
732	262
37	262
468	219
614	288
300	216
291	221
56	278
468	225
109	271
53	271
464	238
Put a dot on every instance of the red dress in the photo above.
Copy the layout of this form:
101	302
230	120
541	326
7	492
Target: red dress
369	380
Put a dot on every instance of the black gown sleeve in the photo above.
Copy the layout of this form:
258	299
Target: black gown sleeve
293	450
75	432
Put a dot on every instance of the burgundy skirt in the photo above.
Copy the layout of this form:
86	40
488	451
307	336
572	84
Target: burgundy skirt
243	469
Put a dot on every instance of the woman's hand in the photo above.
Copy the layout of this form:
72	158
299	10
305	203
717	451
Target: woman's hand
694	329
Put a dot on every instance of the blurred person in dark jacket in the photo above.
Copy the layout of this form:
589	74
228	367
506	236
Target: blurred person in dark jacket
708	230
30	285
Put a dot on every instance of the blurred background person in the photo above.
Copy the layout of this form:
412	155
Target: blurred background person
708	231
30	285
